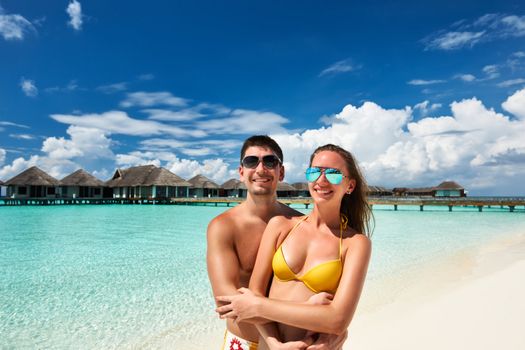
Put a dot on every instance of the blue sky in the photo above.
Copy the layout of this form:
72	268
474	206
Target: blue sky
421	92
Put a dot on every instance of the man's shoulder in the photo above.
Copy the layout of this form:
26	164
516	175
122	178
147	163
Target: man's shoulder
229	222
223	220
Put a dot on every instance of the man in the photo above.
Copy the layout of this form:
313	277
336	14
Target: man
234	236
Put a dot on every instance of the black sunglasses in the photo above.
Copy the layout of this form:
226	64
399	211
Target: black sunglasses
269	161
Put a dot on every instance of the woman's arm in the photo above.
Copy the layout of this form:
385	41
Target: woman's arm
333	318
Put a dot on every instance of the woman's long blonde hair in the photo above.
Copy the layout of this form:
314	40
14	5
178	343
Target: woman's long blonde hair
355	205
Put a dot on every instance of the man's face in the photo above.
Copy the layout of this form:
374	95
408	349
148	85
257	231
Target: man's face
261	180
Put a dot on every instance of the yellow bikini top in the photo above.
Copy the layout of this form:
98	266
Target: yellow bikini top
320	278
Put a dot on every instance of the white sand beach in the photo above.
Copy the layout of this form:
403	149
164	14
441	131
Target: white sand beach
478	306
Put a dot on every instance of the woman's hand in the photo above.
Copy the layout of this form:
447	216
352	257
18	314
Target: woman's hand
274	344
240	307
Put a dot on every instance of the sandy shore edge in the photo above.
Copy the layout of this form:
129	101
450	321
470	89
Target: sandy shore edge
482	307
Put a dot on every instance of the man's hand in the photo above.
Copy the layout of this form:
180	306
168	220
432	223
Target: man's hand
274	344
322	298
329	342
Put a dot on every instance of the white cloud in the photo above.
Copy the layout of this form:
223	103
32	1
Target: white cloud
491	71
84	142
61	155
486	28
57	168
200	148
14	124
519	54
424	82
515	25
469	146
465	77
22	136
511	82
339	67
118	122
425	107
515	104
242	121
187	114
2	155
74	10
454	40
149	99
14	27
112	88
215	169
28	87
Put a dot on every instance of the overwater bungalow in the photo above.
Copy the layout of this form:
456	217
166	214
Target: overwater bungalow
147	181
379	191
418	192
444	189
3	189
81	184
301	189
203	187
233	188
284	189
32	183
449	189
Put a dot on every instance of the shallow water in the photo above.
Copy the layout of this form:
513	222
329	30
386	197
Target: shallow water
123	276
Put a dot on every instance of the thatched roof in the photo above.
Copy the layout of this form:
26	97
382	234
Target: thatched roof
300	186
201	181
449	185
145	175
1	182
233	184
33	176
420	190
81	178
378	189
284	186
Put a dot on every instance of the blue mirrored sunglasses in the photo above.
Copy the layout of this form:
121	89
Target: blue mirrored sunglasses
334	176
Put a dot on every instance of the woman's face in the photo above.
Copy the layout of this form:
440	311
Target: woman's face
324	190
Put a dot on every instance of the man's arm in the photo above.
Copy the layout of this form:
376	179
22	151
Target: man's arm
221	259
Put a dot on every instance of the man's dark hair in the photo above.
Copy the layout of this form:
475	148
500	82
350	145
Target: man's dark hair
264	141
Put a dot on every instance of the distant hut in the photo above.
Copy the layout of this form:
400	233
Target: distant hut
284	189
420	192
379	191
147	181
301	189
449	189
81	184
201	186
417	192
32	183
3	189
233	188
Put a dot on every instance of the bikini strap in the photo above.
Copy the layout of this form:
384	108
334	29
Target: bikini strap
344	223
295	226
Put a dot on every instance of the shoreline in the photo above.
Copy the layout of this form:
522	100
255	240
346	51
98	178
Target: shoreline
474	300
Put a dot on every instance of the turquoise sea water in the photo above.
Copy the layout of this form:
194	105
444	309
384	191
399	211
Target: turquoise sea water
121	276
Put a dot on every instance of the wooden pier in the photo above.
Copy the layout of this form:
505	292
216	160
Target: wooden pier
512	203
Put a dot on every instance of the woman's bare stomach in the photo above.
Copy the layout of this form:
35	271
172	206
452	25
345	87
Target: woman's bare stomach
290	291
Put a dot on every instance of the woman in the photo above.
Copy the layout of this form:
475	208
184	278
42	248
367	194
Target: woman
327	251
